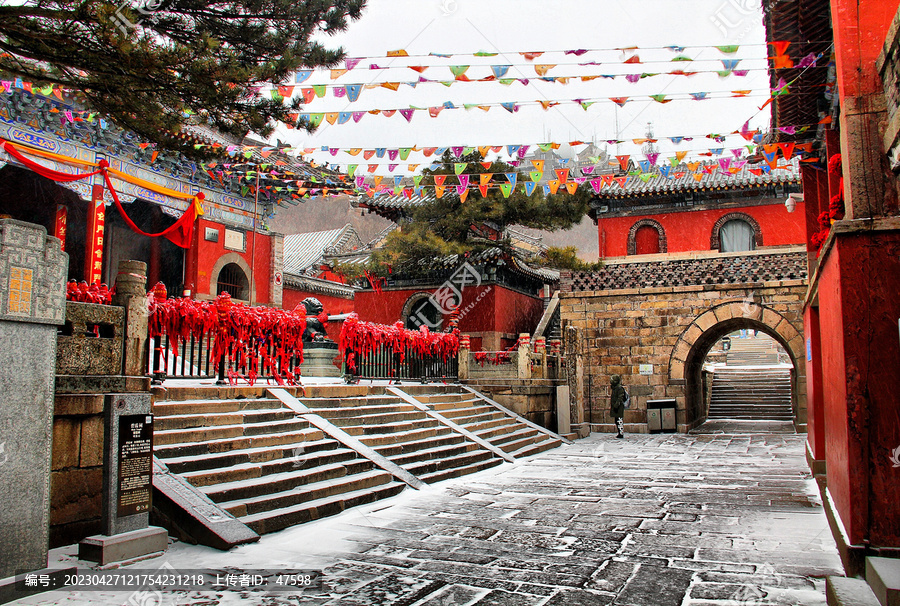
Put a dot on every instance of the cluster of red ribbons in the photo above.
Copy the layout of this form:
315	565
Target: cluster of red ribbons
835	210
264	340
495	358
359	339
82	293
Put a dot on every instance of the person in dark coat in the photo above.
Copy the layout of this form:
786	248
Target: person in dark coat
617	403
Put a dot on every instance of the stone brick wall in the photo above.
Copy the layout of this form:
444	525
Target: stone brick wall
672	328
76	477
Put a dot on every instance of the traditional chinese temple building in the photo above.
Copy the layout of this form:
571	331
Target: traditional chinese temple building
222	243
728	209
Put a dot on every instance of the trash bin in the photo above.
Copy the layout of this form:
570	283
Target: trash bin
661	416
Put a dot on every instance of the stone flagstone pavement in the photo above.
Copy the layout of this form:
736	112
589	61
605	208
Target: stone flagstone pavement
704	519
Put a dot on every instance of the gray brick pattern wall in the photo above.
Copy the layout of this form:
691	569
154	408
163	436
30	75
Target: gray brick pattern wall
689	272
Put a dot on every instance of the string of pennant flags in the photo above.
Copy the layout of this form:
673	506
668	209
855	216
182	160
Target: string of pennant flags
352	92
643	169
343	117
517	152
629	55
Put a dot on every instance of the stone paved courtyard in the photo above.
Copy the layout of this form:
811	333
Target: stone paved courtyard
701	519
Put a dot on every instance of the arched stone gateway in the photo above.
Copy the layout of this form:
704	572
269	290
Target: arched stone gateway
691	348
653	322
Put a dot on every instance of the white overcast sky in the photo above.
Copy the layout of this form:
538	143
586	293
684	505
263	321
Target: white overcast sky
511	26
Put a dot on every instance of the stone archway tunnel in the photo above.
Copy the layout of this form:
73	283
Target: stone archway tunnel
653	322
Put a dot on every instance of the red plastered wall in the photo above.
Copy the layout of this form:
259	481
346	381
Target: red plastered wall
291	298
691	230
499	309
858	319
204	258
859	32
814	402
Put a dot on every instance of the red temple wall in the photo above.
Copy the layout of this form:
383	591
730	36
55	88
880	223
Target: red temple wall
691	230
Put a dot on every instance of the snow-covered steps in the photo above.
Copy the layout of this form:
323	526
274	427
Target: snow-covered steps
268	458
405	435
486	419
262	463
491	422
751	393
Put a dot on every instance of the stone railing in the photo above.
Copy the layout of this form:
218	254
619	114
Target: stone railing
91	341
706	268
526	360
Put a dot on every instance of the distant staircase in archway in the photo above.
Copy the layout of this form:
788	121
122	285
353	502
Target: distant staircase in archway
757	394
753	351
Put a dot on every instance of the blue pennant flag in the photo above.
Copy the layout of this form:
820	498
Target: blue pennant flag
353	91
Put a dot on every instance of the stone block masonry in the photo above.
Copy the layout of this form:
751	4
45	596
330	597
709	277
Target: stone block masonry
32	304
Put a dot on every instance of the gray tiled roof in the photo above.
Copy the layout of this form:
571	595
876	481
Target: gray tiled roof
681	179
304	251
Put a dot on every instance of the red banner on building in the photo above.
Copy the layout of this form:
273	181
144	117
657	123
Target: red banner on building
93	259
62	215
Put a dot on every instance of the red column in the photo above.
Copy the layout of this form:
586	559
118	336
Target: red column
59	228
93	250
153	266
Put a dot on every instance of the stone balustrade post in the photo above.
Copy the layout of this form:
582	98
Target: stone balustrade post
524	370
540	347
465	345
131	293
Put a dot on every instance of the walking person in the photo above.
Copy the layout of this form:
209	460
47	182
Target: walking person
617	397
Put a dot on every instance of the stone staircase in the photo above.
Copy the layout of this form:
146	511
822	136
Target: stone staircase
752	351
757	394
260	463
270	468
405	435
487	422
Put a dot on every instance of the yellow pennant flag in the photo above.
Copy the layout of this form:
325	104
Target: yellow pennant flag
538	165
680	155
439	190
486	178
337	73
331	117
572	187
554	186
543	69
463	196
483	150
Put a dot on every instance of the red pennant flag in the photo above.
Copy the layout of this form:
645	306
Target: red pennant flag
621	181
562	174
623	161
483	189
439	180
787	150
486	165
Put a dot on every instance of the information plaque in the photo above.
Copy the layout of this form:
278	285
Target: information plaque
135	464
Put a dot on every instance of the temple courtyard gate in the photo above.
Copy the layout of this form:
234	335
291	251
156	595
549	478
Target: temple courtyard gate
654	319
